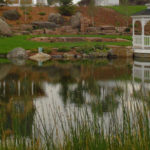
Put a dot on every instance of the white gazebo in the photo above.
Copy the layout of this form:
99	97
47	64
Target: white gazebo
141	43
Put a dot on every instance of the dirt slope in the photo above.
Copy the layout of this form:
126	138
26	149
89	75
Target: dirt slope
104	16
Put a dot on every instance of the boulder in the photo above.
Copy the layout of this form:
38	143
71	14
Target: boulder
46	24
26	27
17	53
57	56
98	54
76	20
5	29
56	18
68	55
11	15
120	51
41	57
120	29
107	28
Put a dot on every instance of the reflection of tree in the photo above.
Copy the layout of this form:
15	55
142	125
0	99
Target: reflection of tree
89	92
77	96
16	117
64	91
16	105
107	105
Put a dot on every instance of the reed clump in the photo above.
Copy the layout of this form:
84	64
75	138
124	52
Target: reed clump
82	130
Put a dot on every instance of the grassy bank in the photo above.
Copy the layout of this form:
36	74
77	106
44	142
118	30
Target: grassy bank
8	43
128	10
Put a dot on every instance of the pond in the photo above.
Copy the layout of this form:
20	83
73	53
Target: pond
55	101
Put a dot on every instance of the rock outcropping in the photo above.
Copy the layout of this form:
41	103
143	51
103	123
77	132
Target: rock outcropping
56	18
4	29
76	20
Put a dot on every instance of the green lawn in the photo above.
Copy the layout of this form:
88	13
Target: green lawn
128	10
8	43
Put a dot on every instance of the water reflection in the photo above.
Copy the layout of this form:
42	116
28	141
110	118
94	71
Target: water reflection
29	94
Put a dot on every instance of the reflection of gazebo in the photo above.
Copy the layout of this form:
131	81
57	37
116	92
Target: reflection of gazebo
141	73
141	43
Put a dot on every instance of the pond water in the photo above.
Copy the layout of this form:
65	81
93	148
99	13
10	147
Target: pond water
46	95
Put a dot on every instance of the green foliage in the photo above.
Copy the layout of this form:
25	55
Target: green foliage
63	49
42	13
101	47
50	1
47	50
67	8
87	49
127	30
66	2
1	1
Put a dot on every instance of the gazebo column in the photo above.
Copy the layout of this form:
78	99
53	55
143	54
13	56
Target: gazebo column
133	31
133	24
143	33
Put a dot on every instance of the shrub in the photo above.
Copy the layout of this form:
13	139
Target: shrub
67	8
11	15
127	30
64	49
89	49
101	47
85	49
42	13
47	50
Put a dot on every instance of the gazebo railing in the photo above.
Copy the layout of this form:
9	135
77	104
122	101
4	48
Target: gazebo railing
140	73
146	41
137	41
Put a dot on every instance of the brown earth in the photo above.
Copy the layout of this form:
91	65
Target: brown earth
104	16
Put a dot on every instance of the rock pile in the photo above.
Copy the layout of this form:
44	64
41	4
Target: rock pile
76	24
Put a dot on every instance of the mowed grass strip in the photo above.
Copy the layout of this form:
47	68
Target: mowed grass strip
8	43
128	10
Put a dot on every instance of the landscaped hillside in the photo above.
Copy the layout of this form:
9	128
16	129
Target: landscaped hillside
103	16
115	15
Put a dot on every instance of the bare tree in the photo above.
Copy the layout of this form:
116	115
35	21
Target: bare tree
125	4
92	9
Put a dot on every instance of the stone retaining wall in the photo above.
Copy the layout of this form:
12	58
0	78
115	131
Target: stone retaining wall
77	39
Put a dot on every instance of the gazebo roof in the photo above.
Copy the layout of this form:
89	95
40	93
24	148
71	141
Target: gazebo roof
143	13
